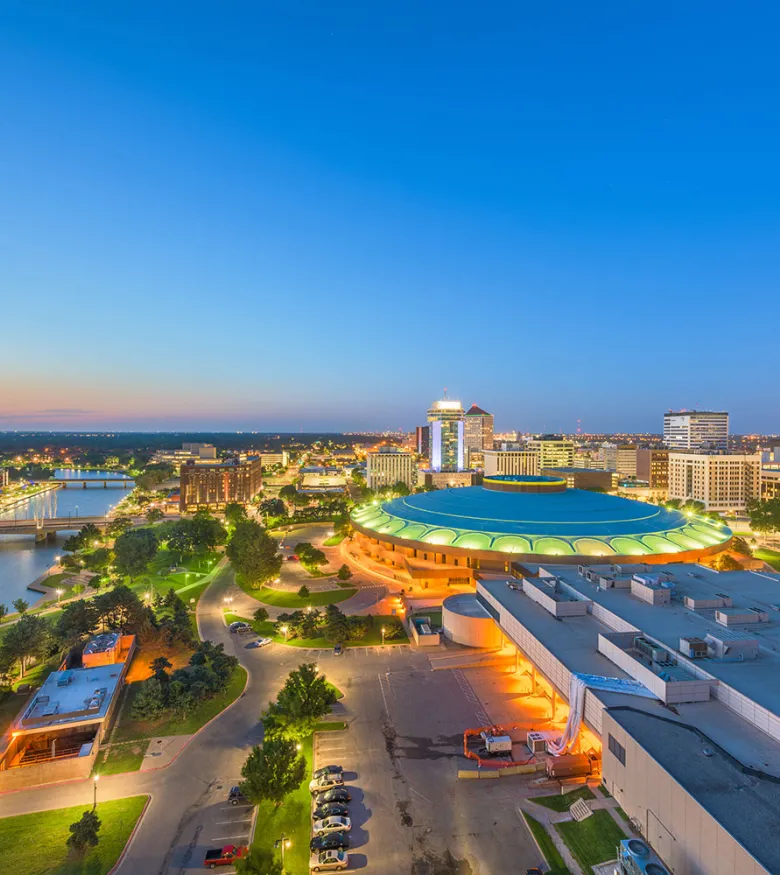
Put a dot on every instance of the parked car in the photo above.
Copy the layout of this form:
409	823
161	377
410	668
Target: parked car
293	557
338	649
535	871
259	642
245	630
239	624
331	824
337	794
335	841
328	860
331	809
224	856
236	797
328	770
326	782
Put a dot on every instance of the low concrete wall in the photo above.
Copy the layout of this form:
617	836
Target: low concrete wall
48	772
484	774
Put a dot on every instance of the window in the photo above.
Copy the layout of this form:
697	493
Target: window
617	750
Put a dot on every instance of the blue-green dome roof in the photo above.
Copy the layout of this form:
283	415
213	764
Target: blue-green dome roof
572	522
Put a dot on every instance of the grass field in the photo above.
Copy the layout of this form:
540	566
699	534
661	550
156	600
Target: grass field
10	706
551	853
770	556
119	758
564	801
35	844
282	599
129	730
333	541
593	840
267	629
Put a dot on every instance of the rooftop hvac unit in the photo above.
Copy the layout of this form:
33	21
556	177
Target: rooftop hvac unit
536	741
65	678
695	648
653	652
637	858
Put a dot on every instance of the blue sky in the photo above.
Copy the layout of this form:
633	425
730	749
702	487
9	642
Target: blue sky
297	215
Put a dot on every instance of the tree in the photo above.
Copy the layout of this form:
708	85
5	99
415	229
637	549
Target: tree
288	493
159	668
122	610
149	702
344	573
84	832
153	476
725	562
3	611
21	606
400	488
154	514
764	515
90	535
336	627
134	550
272	771
272	507
394	628
99	560
235	513
303	592
118	526
741	546
304	699
253	552
260	615
77	620
28	639
259	861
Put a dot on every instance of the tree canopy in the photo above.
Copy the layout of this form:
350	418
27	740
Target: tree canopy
272	771
764	515
304	699
253	553
235	513
134	550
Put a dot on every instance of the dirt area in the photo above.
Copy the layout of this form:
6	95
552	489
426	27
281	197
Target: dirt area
140	668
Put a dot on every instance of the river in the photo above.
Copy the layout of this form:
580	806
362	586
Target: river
21	559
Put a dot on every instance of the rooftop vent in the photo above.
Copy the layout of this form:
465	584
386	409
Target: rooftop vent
694	648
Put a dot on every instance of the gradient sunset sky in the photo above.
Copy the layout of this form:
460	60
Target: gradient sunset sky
298	215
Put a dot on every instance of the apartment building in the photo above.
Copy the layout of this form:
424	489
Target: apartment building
723	481
215	485
388	466
510	462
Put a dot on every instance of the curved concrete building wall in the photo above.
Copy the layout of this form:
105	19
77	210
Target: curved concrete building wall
465	621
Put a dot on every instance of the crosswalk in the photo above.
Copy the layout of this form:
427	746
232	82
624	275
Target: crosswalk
471	697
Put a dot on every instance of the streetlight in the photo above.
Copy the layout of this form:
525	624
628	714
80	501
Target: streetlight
59	594
94	786
283	843
285	630
383	636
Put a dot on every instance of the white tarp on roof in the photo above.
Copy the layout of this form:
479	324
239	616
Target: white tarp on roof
577	686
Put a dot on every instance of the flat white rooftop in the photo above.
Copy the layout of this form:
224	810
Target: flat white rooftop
73	696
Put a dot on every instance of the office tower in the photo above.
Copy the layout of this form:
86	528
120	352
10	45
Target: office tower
696	430
722	481
214	486
445	420
553	451
626	460
388	466
422	440
652	466
502	462
478	429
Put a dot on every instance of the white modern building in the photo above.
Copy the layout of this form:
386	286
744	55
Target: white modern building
696	430
724	482
447	438
388	466
671	671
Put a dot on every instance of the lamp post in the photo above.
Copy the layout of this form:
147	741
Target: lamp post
94	787
285	629
383	636
59	594
284	843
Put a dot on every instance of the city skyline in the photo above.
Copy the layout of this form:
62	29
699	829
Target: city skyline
279	221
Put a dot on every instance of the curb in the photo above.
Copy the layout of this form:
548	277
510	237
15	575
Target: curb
130	838
524	816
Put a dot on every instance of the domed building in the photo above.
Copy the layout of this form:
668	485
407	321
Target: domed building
447	534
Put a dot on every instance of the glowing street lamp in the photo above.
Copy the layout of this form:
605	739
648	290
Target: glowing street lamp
94	786
285	629
383	636
59	594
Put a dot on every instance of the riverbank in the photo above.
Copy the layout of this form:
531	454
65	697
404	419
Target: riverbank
28	494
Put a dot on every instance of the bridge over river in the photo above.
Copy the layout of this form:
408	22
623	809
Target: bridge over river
44	528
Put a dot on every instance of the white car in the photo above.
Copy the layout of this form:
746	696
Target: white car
326	782
259	642
327	860
331	824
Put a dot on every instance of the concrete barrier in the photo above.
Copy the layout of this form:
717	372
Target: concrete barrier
482	774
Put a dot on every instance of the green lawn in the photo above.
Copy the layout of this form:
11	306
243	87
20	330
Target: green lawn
293	818
119	758
593	840
283	599
129	730
770	556
10	706
330	726
267	629
34	844
334	541
563	802
551	853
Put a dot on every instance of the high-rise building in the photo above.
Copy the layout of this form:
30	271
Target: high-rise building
553	451
388	466
478	429
510	462
722	481
422	440
4	475
445	420
215	485
653	466
626	460
696	430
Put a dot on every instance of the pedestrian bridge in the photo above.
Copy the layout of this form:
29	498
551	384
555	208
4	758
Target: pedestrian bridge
48	528
83	482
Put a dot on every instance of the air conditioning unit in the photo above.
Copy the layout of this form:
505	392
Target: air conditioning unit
636	857
653	652
537	741
694	648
